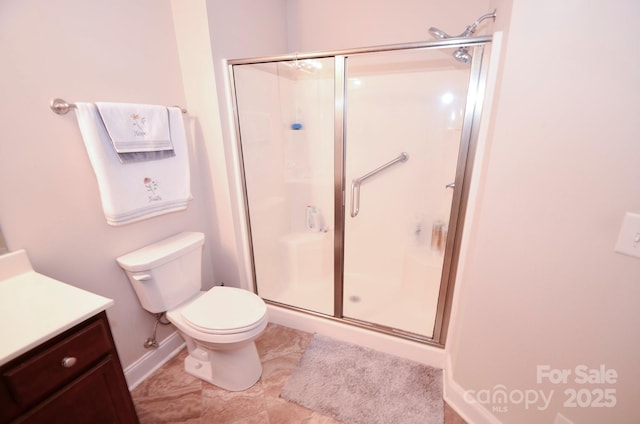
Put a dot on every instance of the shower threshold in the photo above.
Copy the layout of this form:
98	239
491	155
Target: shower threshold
378	328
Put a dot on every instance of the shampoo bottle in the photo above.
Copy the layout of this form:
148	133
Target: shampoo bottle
309	218
436	235
313	219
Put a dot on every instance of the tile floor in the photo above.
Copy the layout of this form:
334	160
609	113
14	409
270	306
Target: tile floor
172	396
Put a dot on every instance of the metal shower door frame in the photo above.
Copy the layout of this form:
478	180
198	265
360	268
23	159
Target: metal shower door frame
468	139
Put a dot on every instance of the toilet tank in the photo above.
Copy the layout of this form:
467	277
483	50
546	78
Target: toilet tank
166	273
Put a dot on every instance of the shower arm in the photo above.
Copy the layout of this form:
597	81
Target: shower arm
468	31
355	184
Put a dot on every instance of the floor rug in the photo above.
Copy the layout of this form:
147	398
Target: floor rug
357	385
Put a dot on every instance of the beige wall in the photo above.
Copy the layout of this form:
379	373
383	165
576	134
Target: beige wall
338	24
239	29
542	284
198	76
123	51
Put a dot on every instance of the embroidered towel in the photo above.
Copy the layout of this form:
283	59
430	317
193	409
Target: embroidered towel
135	191
136	128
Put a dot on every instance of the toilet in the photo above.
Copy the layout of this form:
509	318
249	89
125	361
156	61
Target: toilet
219	326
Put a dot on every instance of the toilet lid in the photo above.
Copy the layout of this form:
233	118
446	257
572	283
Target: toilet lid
225	309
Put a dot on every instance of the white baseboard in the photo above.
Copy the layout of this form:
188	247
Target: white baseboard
137	372
454	395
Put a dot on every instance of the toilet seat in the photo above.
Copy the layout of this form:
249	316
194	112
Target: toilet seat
225	310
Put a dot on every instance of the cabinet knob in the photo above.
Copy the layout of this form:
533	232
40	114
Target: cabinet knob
69	361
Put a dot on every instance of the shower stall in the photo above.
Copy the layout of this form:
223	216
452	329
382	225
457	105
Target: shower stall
355	168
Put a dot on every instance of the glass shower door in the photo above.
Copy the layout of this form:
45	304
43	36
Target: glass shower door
285	113
403	130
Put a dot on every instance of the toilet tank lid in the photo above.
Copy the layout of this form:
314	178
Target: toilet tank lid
160	252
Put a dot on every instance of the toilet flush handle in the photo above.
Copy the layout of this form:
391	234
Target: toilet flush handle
142	277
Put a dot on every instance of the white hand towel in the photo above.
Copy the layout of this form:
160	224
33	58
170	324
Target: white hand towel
135	191
135	127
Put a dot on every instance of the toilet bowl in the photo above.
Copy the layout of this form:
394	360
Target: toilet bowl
219	326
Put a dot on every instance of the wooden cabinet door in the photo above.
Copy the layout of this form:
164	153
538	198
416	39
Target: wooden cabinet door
94	398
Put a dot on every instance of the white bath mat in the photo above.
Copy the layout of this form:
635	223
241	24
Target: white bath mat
357	385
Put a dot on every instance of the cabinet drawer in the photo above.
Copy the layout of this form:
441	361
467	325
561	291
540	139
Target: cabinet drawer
60	363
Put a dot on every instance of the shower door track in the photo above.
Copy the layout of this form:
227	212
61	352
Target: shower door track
449	42
358	323
468	140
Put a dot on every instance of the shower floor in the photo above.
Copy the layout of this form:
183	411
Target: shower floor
390	304
316	296
410	308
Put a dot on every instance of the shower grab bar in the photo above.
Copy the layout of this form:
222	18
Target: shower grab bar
355	184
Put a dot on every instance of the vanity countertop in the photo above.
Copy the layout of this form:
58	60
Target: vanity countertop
35	308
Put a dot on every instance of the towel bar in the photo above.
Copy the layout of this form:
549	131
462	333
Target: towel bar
61	106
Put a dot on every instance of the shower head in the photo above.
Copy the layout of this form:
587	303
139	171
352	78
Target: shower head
438	33
462	55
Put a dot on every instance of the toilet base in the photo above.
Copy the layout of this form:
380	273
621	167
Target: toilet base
234	370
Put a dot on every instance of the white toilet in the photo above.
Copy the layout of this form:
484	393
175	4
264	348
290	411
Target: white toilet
219	325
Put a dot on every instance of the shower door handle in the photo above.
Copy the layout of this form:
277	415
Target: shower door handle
355	198
355	184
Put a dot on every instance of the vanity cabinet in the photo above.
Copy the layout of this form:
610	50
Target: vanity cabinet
75	377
